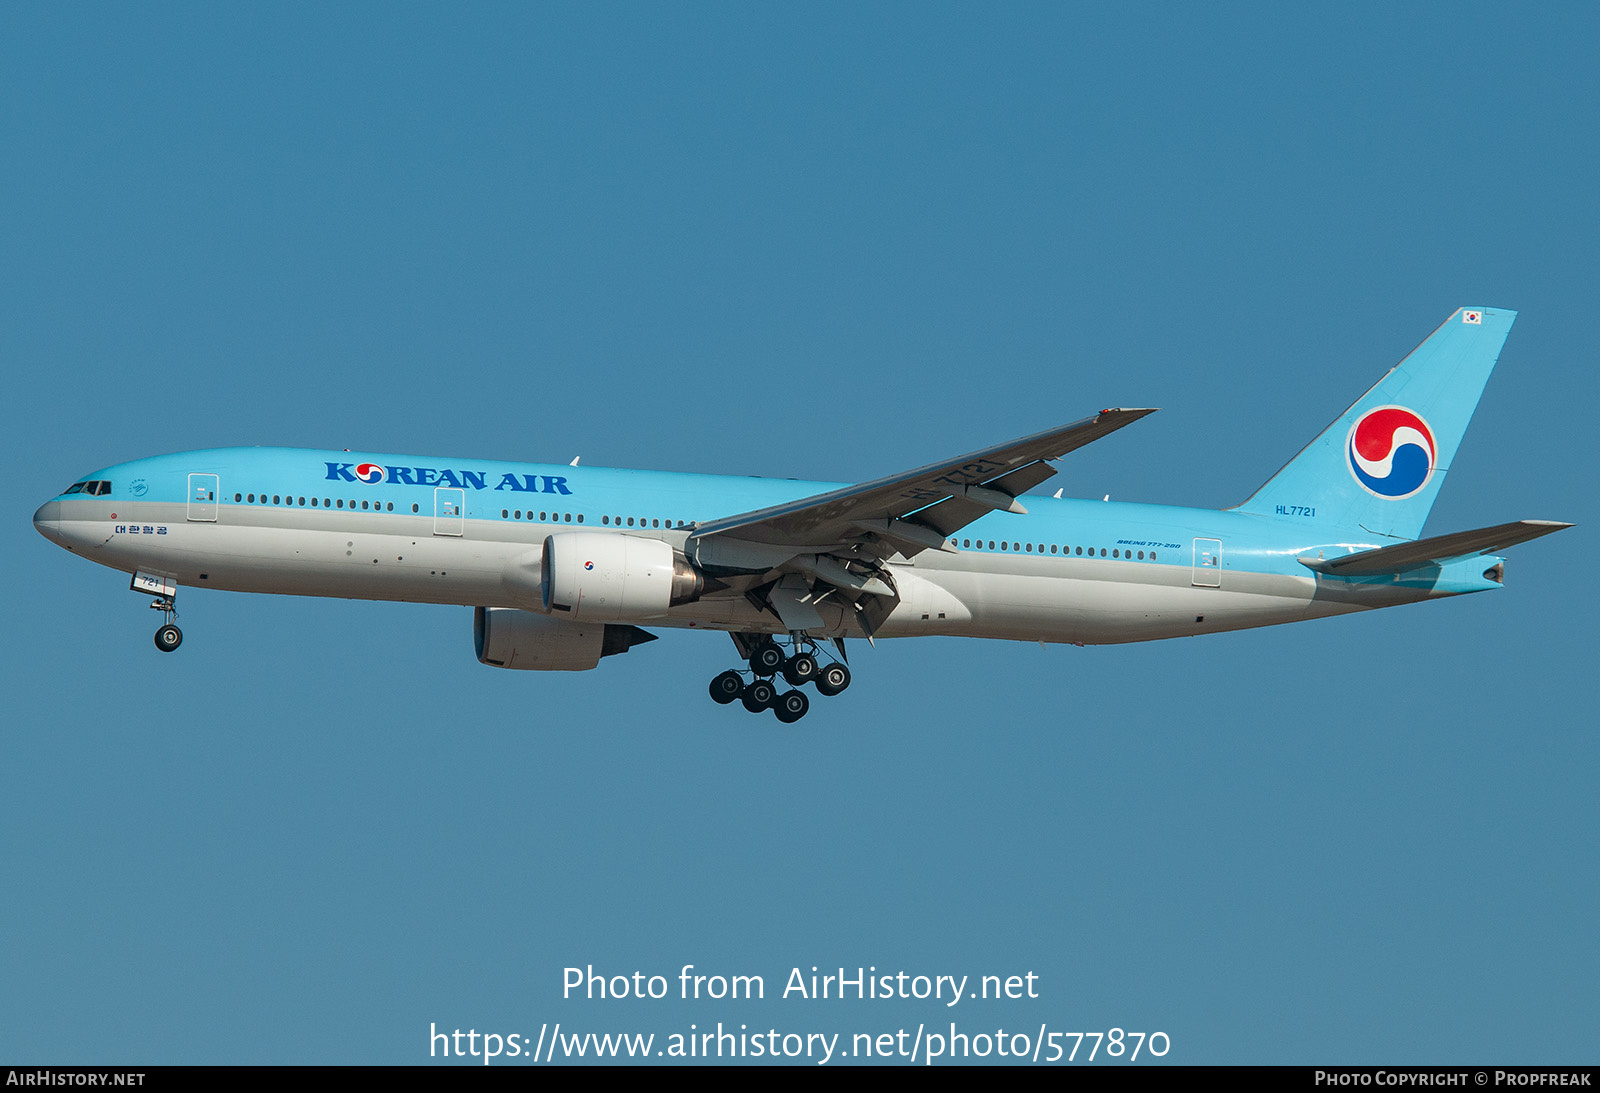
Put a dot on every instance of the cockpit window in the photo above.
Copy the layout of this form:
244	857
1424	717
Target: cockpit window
99	489
76	487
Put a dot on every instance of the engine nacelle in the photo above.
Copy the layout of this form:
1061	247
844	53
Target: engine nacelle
507	638
597	576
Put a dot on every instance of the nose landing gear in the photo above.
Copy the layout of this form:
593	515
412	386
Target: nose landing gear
165	591
765	660
168	636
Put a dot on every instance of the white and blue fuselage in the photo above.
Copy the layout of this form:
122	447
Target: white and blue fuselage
565	564
452	531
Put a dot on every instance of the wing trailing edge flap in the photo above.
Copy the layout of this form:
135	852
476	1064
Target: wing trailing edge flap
1438	550
795	604
909	512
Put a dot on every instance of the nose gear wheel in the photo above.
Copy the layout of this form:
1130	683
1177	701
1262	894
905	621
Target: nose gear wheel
168	636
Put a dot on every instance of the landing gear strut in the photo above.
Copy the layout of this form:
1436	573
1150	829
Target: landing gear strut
764	661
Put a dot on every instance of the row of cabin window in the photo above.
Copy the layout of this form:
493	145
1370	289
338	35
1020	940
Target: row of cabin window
557	517
335	503
1029	548
544	517
380	506
644	523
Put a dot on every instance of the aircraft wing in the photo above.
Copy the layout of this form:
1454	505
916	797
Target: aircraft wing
910	512
1404	557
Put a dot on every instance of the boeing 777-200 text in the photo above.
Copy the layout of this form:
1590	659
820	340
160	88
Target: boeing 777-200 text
565	564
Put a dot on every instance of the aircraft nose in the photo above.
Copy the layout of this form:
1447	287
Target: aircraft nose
47	521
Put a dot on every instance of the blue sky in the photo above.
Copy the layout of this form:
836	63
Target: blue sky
824	242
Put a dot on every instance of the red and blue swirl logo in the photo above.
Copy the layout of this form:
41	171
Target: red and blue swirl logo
1391	452
370	473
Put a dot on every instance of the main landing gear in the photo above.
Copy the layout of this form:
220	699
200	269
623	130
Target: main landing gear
767	660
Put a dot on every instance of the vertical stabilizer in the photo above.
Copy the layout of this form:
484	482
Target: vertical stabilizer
1380	464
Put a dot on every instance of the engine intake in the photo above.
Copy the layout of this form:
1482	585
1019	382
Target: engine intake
597	576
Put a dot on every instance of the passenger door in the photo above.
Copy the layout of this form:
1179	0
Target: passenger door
449	511
203	497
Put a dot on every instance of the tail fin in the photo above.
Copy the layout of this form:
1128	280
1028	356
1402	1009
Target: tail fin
1380	465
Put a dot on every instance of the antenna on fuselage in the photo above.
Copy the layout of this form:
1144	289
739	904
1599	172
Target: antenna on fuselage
574	462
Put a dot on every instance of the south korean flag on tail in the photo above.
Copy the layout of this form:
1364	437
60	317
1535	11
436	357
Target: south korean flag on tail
1472	317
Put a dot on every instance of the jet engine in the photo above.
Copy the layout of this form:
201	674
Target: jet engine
507	638
597	576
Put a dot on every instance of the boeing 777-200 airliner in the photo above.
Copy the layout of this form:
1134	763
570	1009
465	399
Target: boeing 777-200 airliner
565	564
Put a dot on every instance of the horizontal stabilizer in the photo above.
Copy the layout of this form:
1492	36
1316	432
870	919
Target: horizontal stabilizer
1403	557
